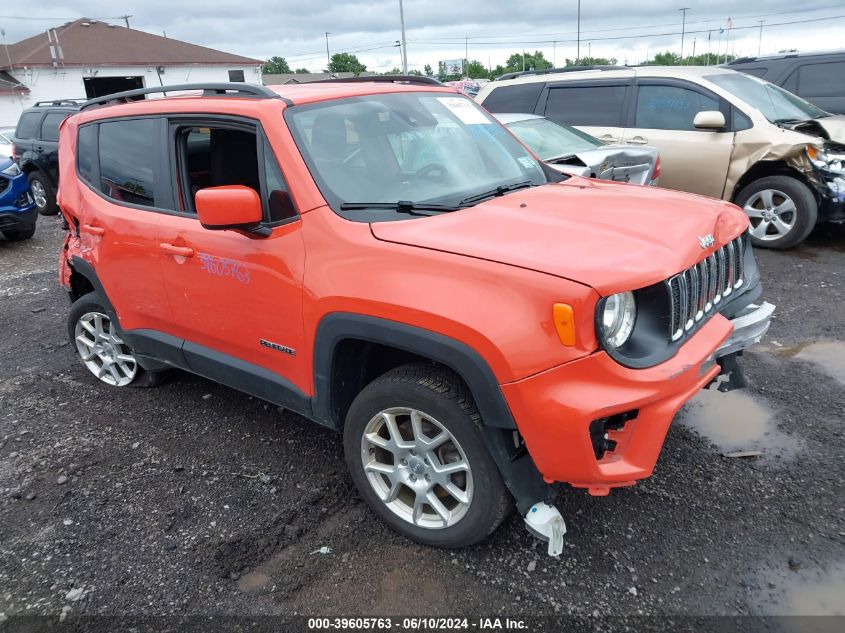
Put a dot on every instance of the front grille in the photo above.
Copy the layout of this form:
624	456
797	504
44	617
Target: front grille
696	292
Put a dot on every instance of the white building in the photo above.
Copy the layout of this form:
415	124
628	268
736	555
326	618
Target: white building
87	58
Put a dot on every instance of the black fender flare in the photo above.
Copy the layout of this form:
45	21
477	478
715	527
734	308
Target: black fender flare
459	357
515	465
81	267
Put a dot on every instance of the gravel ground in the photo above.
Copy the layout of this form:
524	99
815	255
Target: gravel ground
195	499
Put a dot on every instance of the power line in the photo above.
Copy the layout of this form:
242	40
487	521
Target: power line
630	37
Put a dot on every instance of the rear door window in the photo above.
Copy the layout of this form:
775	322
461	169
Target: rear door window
86	152
50	126
128	155
601	106
517	98
662	107
28	125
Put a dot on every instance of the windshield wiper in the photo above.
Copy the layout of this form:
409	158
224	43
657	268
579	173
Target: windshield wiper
498	191
400	206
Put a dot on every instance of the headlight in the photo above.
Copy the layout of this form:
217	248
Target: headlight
618	318
11	170
826	160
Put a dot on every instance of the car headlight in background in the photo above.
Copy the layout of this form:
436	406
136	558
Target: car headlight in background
11	170
618	317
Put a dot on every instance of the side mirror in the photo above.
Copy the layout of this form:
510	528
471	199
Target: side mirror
228	207
709	120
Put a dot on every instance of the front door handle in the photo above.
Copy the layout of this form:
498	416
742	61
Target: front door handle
93	230
172	249
638	140
607	138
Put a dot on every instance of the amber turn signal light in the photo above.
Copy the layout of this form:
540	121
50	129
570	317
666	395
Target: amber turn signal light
564	319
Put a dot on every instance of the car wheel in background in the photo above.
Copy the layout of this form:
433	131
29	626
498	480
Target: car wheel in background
100	348
414	447
42	193
782	211
19	234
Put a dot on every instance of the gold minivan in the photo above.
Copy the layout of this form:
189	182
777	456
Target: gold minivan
719	132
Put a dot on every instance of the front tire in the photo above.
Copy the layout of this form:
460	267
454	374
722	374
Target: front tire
414	447
43	194
19	234
782	211
100	348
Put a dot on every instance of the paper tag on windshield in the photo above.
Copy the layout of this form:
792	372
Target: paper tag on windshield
526	162
464	110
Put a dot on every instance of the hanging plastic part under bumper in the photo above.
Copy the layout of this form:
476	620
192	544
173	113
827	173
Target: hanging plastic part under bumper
544	521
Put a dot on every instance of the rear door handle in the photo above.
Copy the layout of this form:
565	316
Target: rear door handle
93	230
171	249
638	140
608	138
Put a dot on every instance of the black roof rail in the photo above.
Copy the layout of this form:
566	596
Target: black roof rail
741	60
565	69
405	79
208	90
59	102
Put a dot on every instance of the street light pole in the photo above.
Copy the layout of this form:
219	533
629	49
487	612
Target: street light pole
683	11
404	44
760	42
578	49
328	57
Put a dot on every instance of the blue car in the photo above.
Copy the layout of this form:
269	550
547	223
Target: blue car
18	212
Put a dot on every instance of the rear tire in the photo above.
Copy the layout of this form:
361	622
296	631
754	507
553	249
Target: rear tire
782	211
100	348
435	482
19	234
42	192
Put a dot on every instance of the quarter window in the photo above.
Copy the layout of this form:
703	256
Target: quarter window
670	107
821	80
279	203
514	98
86	152
587	105
28	125
127	160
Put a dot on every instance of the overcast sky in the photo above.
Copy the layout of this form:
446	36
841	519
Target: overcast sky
436	29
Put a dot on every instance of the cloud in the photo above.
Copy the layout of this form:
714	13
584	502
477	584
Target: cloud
436	29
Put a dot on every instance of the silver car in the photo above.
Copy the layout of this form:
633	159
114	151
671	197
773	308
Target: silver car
6	134
575	152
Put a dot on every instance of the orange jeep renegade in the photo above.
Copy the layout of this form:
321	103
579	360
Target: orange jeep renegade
384	258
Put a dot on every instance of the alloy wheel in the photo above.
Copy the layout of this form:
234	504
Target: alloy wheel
102	351
39	194
772	214
417	468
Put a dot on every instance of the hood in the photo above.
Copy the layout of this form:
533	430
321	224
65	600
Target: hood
609	236
834	126
622	163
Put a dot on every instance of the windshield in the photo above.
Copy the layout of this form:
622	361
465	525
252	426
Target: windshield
776	104
415	147
550	140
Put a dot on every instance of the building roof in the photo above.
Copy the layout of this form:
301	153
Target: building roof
87	42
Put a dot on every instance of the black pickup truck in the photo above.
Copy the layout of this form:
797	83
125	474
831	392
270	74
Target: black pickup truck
37	148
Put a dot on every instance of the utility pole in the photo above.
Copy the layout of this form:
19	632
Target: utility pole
578	48
328	57
404	44
683	11
760	42
554	54
125	18
466	56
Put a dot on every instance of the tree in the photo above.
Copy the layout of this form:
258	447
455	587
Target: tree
476	70
527	61
668	58
415	73
394	71
427	70
592	61
345	63
302	71
275	66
